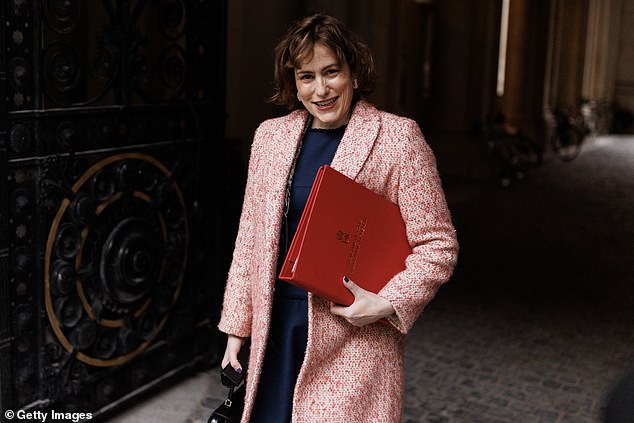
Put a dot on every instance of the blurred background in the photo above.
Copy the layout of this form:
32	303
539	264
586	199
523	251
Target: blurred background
124	138
455	65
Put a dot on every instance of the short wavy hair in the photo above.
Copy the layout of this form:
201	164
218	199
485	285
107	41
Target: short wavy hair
297	46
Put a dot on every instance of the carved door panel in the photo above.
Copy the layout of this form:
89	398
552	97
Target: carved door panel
113	112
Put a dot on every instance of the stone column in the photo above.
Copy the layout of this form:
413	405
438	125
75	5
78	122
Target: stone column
599	71
525	61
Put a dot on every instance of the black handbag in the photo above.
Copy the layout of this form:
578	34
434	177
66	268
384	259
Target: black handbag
230	411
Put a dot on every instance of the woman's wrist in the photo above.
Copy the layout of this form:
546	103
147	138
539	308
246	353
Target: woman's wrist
387	309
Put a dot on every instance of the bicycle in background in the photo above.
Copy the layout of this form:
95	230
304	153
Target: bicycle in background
512	152
568	135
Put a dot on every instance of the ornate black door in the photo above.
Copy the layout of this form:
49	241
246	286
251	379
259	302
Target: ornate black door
112	120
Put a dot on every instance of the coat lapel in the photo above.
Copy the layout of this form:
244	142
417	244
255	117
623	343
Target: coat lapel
287	140
358	140
354	149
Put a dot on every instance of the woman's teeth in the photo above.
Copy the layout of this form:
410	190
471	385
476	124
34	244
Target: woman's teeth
325	103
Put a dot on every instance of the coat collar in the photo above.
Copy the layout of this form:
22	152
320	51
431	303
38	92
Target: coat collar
354	148
358	140
290	137
356	144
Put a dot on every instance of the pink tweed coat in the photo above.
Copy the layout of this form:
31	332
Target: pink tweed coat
349	374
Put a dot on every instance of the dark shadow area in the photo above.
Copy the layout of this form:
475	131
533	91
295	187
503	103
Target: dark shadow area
535	325
564	232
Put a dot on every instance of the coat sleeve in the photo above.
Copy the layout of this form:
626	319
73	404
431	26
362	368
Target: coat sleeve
429	229
236	315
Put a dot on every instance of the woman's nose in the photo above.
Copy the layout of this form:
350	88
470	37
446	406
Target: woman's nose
322	86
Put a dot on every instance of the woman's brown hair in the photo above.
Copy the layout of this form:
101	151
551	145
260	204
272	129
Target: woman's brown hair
297	47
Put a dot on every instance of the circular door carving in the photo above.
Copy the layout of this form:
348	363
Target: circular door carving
115	258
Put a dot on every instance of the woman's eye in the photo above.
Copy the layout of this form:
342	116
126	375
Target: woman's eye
305	77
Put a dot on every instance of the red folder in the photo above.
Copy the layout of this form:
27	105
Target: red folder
345	230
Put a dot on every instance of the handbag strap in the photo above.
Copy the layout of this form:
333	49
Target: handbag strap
228	401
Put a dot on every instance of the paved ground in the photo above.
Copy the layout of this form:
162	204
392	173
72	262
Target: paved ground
537	323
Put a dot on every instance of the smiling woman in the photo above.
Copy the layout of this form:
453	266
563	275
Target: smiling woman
325	88
311	360
298	48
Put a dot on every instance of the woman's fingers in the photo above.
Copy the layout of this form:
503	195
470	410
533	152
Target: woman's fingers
367	306
355	290
352	312
352	287
234	344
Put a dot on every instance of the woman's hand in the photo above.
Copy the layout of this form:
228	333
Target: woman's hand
234	344
367	307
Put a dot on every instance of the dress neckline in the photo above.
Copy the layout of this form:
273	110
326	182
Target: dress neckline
329	130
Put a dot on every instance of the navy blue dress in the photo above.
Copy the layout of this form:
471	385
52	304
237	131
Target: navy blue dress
288	334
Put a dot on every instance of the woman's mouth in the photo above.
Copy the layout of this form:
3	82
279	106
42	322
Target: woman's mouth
322	105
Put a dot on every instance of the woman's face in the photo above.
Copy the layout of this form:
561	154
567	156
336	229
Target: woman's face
324	86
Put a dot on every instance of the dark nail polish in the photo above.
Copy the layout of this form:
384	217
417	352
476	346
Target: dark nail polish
239	370
345	279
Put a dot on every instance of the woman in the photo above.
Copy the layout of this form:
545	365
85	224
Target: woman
312	360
